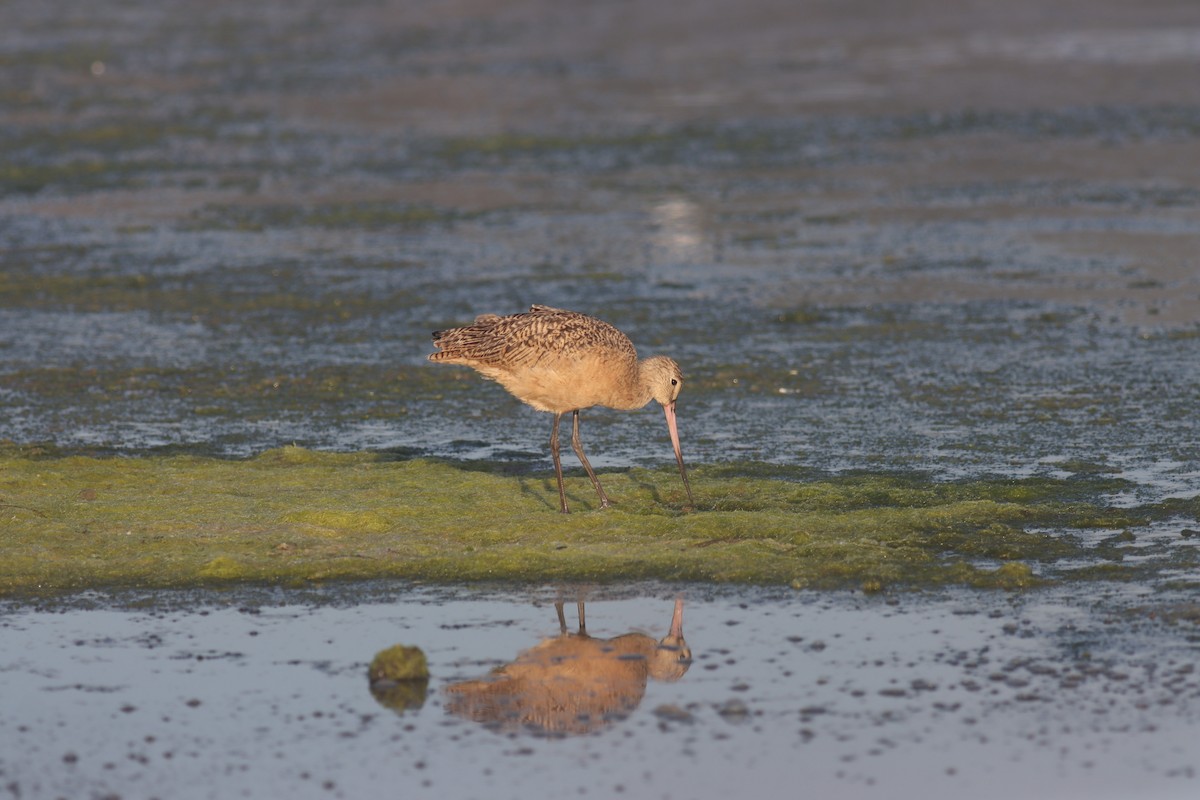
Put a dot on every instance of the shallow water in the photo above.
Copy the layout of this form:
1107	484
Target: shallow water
939	695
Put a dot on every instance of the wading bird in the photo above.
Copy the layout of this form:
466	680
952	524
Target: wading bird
560	361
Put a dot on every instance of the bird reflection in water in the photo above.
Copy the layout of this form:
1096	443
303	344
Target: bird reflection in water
572	683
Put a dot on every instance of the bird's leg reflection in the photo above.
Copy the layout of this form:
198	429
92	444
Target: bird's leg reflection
572	683
562	619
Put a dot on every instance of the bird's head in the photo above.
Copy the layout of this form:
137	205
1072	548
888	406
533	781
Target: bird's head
672	657
664	379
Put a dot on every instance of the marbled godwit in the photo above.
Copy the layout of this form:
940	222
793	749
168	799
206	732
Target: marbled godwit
560	361
572	683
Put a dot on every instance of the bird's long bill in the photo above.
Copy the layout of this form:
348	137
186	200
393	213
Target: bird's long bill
669	410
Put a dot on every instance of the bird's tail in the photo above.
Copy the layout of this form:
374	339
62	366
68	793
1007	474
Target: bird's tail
438	336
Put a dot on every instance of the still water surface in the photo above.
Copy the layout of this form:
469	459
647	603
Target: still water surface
262	693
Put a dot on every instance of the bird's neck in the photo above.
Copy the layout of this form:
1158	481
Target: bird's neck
635	391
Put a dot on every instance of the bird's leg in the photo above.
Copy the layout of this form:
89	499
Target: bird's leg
562	618
562	493
582	623
578	447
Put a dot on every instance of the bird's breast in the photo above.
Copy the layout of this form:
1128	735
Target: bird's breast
568	385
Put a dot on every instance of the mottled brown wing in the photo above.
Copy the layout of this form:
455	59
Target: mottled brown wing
526	339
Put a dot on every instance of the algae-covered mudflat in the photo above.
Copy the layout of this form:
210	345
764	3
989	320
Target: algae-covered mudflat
294	516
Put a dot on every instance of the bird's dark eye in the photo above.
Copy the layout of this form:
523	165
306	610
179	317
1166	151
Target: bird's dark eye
674	382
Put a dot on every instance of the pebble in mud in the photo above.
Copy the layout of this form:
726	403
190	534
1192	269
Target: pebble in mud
734	711
674	713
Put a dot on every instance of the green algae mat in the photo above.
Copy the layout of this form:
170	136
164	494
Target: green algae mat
292	516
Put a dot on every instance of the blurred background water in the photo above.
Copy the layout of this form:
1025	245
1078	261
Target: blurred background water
883	236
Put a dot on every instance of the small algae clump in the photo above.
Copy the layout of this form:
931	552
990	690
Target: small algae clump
399	663
399	677
292	516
